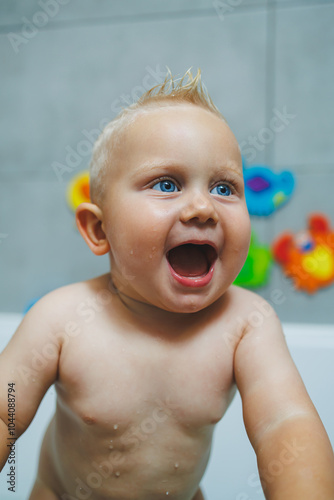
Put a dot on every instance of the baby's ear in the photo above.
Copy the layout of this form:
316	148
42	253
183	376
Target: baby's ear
89	220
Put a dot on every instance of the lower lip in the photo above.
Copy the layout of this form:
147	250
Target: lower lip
193	282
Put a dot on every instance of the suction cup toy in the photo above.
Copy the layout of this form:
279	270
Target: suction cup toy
78	190
308	257
255	272
265	190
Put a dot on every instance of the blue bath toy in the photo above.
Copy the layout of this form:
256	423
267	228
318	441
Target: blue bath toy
265	190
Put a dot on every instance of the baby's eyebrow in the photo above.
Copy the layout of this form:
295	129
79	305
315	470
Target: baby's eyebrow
234	167
154	165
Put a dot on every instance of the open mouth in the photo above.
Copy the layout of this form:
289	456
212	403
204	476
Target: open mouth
192	261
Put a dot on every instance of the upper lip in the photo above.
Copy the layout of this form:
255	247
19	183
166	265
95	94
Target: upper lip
195	241
211	253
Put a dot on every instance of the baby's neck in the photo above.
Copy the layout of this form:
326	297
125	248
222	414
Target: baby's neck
152	314
156	319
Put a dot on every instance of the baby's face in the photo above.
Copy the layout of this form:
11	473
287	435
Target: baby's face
174	209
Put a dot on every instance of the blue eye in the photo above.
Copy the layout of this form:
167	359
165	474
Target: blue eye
165	186
222	190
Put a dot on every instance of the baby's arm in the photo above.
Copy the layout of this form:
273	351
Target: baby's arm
28	368
295	457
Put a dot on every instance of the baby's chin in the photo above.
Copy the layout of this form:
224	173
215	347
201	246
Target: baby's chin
188	302
190	305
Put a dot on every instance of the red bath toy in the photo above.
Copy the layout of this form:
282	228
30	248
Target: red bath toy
308	256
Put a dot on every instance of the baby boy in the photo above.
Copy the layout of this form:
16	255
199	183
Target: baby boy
142	382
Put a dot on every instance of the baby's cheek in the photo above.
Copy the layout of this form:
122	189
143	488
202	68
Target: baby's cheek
241	237
245	244
247	232
244	223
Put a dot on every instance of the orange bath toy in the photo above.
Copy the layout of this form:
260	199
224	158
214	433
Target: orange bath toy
308	256
78	190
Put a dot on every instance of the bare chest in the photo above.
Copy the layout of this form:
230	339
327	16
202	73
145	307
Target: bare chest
115	381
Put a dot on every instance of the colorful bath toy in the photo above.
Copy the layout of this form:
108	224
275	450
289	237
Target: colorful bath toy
256	270
308	257
78	190
265	190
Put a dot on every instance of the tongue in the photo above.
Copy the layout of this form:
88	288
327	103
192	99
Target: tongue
188	260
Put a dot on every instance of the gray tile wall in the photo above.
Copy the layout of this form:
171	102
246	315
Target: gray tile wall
67	64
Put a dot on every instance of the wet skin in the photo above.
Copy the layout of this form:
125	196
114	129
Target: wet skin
142	386
146	358
137	405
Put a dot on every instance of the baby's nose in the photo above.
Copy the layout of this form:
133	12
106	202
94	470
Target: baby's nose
199	208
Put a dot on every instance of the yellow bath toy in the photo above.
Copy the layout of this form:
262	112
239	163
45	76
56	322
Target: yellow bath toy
78	190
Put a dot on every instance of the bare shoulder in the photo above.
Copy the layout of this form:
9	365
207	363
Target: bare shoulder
245	306
253	308
59	306
54	312
245	313
68	295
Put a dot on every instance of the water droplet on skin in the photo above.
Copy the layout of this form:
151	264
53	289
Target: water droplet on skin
117	473
176	465
167	492
116	426
131	252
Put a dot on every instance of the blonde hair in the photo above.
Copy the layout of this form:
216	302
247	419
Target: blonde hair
171	92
